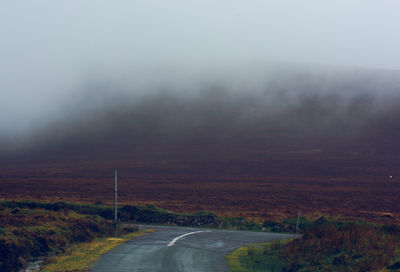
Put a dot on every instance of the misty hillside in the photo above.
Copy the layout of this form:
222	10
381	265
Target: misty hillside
301	124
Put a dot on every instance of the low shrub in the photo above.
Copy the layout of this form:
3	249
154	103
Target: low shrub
28	233
329	245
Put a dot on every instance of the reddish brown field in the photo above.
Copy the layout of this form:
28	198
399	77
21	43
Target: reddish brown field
225	154
314	181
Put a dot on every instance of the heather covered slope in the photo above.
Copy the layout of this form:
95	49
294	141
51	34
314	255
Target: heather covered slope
325	245
263	147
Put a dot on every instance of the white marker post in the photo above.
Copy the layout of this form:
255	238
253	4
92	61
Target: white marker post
298	221
115	202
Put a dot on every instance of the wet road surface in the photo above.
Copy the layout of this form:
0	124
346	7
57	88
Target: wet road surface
179	249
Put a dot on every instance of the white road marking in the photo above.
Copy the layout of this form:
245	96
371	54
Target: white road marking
183	235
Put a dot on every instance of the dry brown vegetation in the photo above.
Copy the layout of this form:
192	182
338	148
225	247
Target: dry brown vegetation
30	233
325	245
235	155
255	196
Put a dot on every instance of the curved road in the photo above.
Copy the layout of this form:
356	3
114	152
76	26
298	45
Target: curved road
178	249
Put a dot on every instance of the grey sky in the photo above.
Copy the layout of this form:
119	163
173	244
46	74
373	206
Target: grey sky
48	48
356	33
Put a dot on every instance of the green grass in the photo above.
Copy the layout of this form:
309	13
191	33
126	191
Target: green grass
234	259
82	256
256	258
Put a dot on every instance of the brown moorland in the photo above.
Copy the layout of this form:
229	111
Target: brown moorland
229	154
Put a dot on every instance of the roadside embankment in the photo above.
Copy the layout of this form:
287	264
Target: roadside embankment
325	245
28	233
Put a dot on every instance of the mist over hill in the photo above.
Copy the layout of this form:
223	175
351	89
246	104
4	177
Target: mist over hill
268	122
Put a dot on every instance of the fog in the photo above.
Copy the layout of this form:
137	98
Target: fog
286	108
77	71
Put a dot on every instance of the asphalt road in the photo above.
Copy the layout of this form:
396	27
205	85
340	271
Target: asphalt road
178	249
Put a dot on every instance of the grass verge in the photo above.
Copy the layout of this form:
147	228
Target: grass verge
82	256
326	245
253	258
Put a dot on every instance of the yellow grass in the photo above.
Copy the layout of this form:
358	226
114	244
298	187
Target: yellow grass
233	259
82	256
